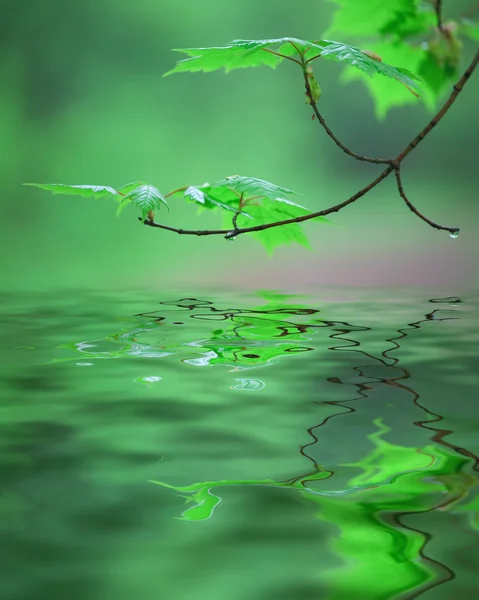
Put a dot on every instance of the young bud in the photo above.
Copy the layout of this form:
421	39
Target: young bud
372	55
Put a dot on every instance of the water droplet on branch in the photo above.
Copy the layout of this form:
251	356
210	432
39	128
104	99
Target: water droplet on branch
454	233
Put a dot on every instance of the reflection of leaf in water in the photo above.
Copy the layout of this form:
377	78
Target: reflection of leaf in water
248	385
205	501
396	480
148	381
248	338
381	557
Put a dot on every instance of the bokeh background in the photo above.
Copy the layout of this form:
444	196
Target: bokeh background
83	101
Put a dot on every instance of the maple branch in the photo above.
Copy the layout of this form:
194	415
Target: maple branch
393	166
320	213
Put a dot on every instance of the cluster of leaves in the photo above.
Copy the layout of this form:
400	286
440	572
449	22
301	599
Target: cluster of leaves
404	32
249	200
145	197
240	54
255	202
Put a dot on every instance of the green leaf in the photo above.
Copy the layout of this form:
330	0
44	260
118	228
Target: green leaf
275	236
367	17
261	201
385	94
251	186
205	196
408	35
195	194
248	53
226	193
417	21
361	59
129	187
272	210
85	191
147	198
237	55
124	191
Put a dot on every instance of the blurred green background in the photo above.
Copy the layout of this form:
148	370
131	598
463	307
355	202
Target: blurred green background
83	101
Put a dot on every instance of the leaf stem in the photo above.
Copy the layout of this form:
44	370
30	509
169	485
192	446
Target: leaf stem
312	58
281	55
181	189
297	50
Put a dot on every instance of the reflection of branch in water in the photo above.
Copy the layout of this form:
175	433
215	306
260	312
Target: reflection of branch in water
443	573
391	361
439	434
248	330
366	504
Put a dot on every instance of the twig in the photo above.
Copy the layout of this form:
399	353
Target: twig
331	134
454	231
232	234
312	58
281	55
457	88
296	48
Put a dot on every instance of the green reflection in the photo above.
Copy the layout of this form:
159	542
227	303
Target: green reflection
380	555
382	513
248	338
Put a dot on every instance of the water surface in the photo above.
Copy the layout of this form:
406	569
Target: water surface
192	445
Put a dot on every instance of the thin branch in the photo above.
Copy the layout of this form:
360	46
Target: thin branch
198	232
281	55
456	90
454	231
329	132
